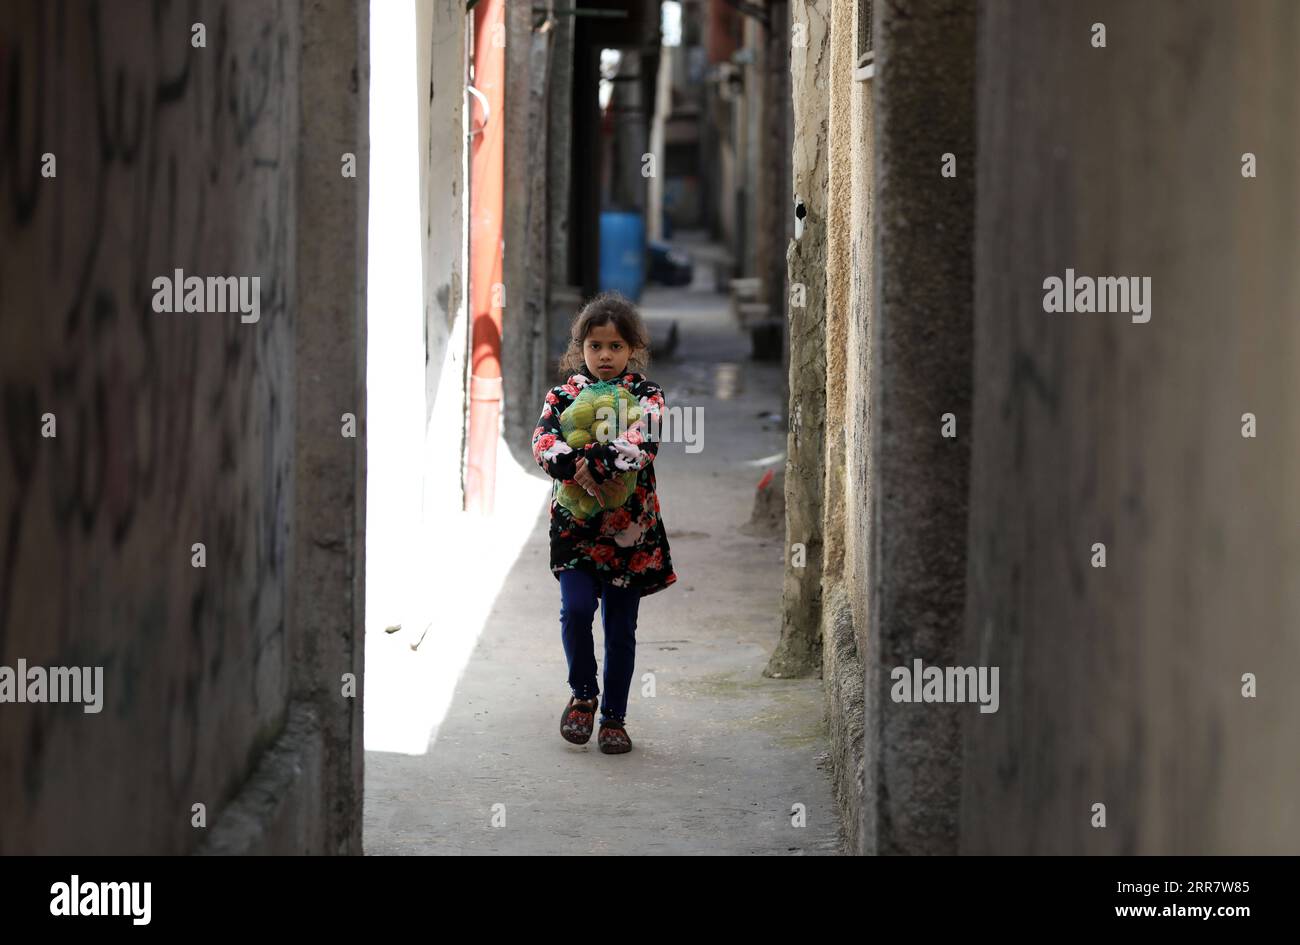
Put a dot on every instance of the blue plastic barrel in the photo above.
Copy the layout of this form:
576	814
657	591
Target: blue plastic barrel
622	253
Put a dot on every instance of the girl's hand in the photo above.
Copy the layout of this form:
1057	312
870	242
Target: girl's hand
584	478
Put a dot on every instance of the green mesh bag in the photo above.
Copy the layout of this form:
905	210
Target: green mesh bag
583	506
582	423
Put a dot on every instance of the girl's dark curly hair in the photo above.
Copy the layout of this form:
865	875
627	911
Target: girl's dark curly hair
607	308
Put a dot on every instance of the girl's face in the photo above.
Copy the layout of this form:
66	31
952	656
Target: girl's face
605	352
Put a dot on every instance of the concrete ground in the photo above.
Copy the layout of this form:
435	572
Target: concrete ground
723	759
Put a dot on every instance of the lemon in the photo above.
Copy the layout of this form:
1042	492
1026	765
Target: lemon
582	415
578	439
602	400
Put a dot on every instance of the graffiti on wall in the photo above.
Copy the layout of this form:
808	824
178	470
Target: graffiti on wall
170	428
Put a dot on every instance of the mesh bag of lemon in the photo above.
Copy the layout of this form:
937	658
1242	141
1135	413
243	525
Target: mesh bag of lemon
594	417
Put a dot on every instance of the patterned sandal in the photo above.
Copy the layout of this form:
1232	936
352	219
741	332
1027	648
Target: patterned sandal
576	721
613	738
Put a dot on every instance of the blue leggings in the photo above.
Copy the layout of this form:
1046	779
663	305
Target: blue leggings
580	592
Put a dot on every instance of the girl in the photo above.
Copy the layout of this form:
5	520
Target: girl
618	554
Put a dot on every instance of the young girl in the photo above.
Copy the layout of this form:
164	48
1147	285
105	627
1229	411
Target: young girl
618	554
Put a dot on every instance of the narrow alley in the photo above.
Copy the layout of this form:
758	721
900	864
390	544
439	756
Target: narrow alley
726	760
968	558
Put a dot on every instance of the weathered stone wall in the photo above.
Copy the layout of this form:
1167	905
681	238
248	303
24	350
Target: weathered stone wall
857	365
841	663
799	650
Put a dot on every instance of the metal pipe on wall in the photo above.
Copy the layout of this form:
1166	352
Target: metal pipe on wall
487	152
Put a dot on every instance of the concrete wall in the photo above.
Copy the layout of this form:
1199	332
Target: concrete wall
841	662
440	35
750	120
1123	685
921	369
440	73
178	428
774	214
519	317
799	649
858	501
327	629
1119	686
563	299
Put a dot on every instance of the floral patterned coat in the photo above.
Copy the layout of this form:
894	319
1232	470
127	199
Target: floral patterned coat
626	546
